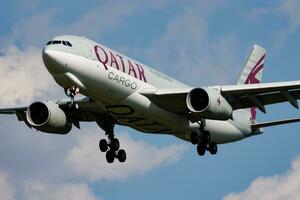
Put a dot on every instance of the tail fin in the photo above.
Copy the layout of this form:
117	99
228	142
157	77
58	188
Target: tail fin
253	71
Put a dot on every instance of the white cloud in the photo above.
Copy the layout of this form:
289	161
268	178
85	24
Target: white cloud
35	190
103	18
6	189
57	173
286	186
285	8
23	75
186	49
28	6
87	162
289	9
35	28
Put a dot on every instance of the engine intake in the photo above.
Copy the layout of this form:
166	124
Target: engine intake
48	117
208	103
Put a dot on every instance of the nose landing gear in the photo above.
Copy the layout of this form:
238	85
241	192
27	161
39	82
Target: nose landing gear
72	92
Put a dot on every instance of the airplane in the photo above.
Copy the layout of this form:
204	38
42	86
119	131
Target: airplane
118	90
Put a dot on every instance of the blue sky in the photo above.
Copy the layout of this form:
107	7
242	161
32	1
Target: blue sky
198	42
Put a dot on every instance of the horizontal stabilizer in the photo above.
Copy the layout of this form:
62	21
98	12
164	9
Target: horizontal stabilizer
275	123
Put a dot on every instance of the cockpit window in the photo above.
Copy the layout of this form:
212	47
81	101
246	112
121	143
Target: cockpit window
68	43
56	42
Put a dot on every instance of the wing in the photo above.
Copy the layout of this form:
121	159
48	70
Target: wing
12	110
88	110
259	95
238	96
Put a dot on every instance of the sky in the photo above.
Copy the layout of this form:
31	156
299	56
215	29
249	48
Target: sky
198	42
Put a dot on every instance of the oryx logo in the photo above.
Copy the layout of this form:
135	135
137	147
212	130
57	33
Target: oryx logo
251	79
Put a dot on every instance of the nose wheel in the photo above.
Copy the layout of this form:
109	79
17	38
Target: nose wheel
112	145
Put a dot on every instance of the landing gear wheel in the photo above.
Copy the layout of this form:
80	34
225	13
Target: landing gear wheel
121	155
112	145
103	146
206	137
194	138
201	148
110	156
115	144
213	148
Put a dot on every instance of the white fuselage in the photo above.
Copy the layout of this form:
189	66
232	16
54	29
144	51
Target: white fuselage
114	81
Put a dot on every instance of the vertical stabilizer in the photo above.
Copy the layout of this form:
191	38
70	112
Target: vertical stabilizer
253	71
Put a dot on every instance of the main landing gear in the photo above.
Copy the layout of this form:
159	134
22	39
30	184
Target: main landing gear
112	145
204	143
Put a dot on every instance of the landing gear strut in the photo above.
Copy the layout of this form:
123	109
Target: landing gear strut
72	92
112	145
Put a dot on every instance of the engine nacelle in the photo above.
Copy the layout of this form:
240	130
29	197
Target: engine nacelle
208	103
48	117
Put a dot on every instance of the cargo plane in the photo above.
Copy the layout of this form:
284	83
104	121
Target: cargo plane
118	90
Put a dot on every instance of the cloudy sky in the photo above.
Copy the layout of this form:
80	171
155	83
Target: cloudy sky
198	42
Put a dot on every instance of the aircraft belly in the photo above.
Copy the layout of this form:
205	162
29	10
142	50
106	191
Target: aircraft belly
141	114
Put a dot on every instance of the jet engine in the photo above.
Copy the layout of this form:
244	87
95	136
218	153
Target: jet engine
208	103
48	117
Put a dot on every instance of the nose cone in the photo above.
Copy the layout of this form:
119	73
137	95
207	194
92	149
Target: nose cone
53	61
